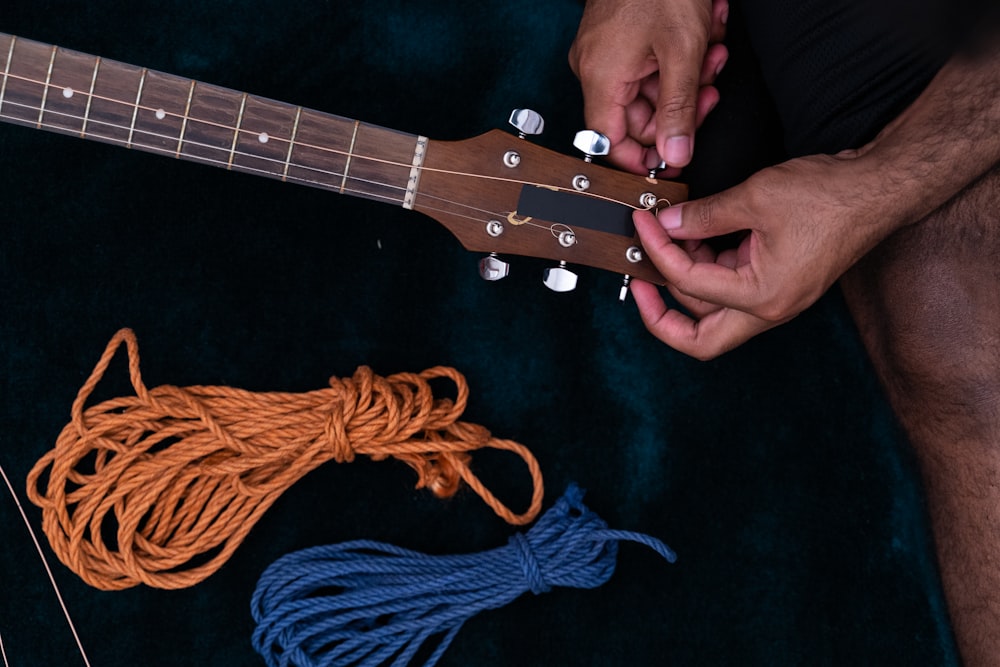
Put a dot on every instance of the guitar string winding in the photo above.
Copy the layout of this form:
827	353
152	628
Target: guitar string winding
160	488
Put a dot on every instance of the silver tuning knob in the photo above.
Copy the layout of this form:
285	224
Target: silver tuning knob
559	278
527	122
623	292
493	268
591	143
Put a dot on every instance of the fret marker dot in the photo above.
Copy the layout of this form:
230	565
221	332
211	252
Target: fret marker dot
67	93
263	138
160	114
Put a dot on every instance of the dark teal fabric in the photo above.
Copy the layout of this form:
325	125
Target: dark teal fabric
777	473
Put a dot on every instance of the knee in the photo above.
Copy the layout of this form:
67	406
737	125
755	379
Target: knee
938	327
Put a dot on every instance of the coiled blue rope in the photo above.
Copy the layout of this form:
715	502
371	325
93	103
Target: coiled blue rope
368	603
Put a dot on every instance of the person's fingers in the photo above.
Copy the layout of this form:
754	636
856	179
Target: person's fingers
720	17
715	60
703	338
708	98
639	121
707	281
610	91
699	252
676	102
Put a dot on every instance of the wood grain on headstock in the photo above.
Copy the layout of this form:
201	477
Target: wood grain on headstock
462	184
465	184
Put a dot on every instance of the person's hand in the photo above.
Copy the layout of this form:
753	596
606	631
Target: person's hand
646	68
794	230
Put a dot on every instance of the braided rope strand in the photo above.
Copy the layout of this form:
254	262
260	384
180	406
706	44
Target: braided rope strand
180	475
367	603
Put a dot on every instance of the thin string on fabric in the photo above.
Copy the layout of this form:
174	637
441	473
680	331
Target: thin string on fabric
48	571
160	488
368	603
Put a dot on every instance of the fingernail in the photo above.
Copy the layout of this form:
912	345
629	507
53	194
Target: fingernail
678	151
670	217
722	63
725	14
712	108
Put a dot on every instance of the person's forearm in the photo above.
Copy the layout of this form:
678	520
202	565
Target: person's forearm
948	138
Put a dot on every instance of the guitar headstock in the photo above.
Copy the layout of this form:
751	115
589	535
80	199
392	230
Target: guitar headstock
499	193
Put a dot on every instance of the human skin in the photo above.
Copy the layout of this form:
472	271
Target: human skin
805	222
908	224
648	78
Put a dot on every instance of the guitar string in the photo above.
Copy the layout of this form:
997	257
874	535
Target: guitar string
197	158
171	152
159	150
238	130
48	570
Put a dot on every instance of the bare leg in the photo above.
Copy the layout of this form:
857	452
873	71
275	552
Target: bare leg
927	303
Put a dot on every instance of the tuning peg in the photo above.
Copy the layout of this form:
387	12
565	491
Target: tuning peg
559	278
653	172
493	268
591	143
527	122
623	292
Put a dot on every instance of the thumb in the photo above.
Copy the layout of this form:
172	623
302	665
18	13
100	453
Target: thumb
701	219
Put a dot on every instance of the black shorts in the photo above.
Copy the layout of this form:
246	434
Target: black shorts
839	70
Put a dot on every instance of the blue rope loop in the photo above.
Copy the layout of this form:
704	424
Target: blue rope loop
368	603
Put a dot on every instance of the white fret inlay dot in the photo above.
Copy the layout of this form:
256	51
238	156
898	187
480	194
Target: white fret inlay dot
67	93
263	138
160	114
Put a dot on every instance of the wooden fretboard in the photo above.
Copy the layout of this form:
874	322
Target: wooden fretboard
60	90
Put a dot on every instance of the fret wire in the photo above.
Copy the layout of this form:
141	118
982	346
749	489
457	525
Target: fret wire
135	111
350	154
6	73
157	135
45	88
155	149
236	131
90	98
186	117
164	151
291	143
483	214
184	123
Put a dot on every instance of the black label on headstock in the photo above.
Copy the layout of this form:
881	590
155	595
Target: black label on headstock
575	210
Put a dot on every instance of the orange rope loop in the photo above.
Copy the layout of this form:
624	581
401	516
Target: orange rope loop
178	476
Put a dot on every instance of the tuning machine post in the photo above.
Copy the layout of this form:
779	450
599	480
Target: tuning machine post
623	292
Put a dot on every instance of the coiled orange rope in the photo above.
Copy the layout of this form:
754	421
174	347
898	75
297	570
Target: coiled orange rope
180	475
